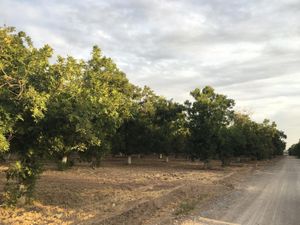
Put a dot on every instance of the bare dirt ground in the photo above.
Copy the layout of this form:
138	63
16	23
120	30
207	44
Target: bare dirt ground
149	191
270	196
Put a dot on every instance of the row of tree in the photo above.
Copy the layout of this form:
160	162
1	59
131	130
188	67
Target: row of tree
295	149
52	110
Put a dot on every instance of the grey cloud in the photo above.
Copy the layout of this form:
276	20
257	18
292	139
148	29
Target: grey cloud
250	50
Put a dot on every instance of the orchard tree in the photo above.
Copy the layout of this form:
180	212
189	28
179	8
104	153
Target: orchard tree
157	126
206	116
135	135
66	125
52	110
294	150
252	139
111	97
25	84
265	140
170	127
228	142
89	103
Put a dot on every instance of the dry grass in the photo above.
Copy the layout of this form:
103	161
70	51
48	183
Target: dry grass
83	195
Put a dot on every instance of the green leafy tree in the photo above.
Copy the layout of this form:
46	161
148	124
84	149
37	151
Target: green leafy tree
227	144
170	127
88	108
135	135
88	105
294	150
252	139
156	126
24	93
53	110
207	115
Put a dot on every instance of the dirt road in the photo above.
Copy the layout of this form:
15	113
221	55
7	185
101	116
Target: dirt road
270	197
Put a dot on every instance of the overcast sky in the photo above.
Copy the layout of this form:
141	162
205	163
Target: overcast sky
246	49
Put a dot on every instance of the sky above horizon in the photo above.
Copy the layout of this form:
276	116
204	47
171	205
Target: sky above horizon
248	50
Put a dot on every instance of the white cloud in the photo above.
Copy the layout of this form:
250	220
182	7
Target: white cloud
249	50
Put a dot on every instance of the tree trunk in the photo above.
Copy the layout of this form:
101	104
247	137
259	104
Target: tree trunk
63	164
207	164
96	162
167	159
225	162
22	201
129	160
160	156
8	156
64	159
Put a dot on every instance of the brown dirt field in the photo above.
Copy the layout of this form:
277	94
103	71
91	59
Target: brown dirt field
149	191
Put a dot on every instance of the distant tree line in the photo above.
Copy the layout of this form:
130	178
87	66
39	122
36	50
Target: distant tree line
295	149
50	110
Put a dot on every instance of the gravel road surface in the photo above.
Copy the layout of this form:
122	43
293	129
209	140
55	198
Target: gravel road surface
270	197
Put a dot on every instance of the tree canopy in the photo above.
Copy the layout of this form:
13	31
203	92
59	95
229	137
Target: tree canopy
52	108
295	149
